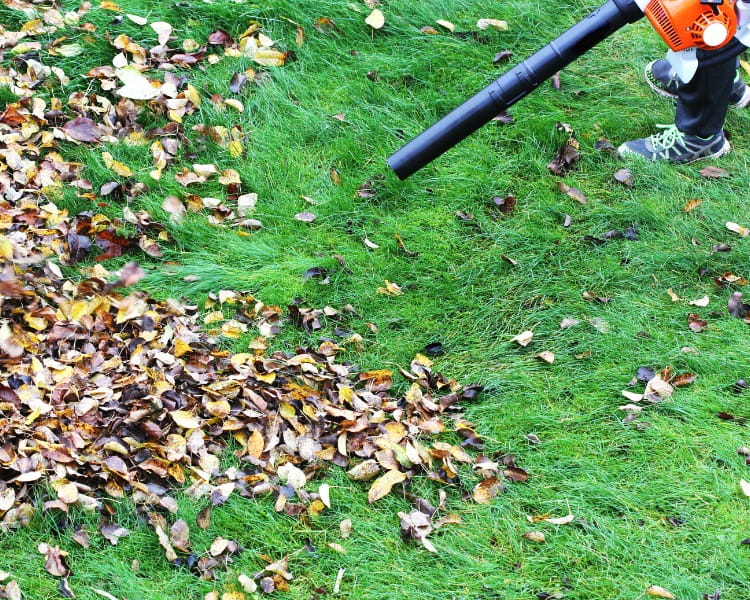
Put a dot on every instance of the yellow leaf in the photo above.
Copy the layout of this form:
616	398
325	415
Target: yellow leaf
447	24
185	419
270	58
192	94
6	248
218	408
381	487
390	289
316	507
181	347
255	444
235	104
660	592
673	296
235	148
121	169
107	5
375	19
692	204
494	23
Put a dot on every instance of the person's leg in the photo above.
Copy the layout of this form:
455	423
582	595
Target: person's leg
702	103
701	109
662	78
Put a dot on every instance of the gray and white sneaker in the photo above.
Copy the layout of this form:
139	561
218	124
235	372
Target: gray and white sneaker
662	78
673	145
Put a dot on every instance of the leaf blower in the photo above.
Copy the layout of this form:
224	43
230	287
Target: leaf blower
721	26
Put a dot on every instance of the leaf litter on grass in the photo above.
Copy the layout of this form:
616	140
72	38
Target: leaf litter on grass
115	394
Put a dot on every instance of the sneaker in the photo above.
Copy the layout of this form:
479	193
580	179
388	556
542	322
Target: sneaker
662	78
675	146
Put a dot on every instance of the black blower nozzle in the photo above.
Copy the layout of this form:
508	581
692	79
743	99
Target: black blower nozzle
513	86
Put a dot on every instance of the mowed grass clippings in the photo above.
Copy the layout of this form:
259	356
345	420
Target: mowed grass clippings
651	498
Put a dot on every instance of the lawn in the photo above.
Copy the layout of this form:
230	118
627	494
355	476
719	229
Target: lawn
622	283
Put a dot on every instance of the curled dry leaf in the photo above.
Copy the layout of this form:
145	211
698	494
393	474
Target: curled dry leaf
660	592
390	289
546	356
736	307
524	338
702	302
739	229
572	192
55	563
486	490
493	23
535	536
416	525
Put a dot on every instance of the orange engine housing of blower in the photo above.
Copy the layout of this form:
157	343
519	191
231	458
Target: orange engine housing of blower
688	23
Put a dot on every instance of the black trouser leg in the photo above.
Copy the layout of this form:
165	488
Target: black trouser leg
702	103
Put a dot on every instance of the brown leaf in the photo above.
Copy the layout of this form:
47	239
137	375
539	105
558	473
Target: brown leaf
506	204
736	307
572	192
566	157
113	533
696	323
55	563
220	38
179	536
203	519
683	380
625	177
486	490
82	129
416	525
712	172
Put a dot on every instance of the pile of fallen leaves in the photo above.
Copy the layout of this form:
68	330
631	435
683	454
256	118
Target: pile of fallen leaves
111	394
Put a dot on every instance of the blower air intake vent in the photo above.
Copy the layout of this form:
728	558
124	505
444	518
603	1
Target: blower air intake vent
658	16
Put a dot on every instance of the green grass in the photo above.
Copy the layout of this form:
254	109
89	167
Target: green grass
657	501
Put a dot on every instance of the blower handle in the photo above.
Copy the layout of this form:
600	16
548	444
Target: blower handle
512	86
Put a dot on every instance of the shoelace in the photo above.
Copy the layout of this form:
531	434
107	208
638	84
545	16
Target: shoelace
668	138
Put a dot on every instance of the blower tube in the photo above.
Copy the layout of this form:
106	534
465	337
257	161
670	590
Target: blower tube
513	86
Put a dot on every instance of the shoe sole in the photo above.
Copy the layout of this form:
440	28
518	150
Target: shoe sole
743	102
659	90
